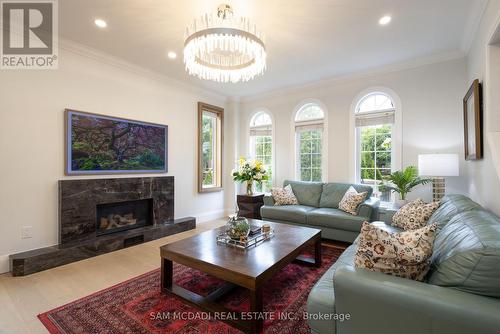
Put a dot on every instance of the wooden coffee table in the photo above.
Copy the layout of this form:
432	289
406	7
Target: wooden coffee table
250	268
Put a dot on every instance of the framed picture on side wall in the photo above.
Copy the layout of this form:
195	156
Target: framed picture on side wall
99	144
473	123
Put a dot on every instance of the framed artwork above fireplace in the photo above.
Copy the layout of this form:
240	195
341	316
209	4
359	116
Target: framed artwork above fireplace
99	144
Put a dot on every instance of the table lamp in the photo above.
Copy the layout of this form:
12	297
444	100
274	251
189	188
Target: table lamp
438	166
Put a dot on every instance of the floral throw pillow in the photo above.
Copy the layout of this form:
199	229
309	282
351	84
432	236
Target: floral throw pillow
284	196
414	215
406	254
351	200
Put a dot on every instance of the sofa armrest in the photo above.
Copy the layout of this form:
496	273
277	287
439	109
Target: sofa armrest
368	208
268	200
379	303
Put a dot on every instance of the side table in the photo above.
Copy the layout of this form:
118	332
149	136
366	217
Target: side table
249	205
386	211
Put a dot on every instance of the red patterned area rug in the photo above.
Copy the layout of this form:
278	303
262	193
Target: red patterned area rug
137	306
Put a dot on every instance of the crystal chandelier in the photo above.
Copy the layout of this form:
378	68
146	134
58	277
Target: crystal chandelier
224	48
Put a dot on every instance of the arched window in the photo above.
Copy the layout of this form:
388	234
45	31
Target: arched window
309	130
375	124
261	145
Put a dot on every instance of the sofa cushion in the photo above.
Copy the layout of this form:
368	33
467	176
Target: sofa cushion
450	206
307	193
467	254
334	218
405	254
414	215
333	192
351	201
292	213
383	226
387	227
284	196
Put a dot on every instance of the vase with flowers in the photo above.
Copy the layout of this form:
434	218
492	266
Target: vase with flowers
250	171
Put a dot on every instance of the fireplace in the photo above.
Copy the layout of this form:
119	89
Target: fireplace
97	216
93	208
121	216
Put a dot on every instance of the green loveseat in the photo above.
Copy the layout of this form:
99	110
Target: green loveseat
461	294
319	208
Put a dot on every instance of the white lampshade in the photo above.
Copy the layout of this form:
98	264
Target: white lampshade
438	165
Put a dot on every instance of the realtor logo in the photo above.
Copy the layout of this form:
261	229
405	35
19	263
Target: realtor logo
29	35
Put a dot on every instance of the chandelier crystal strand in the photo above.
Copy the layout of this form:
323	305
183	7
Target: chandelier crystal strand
223	48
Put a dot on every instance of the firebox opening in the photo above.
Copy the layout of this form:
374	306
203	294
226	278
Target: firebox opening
121	216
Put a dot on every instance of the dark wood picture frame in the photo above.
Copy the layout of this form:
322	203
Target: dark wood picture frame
204	107
68	171
473	122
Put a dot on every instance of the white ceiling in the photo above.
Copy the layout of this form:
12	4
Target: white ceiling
306	40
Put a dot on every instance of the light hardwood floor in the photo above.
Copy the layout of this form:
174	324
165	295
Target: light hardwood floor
23	298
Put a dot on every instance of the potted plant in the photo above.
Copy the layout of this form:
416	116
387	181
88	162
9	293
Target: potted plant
402	182
250	171
237	227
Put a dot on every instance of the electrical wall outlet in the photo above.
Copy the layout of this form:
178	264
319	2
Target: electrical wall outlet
26	232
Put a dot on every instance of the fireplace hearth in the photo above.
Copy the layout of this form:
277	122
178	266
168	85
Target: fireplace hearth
98	216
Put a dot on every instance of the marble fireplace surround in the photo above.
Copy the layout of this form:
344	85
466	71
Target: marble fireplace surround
78	200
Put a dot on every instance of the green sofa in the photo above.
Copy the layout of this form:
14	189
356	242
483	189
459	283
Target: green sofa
318	208
461	294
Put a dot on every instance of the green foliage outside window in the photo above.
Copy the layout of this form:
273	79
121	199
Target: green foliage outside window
310	155
263	151
208	146
376	150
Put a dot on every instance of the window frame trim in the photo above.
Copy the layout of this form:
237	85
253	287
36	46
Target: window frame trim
321	123
375	92
396	134
304	105
297	155
249	149
358	150
219	160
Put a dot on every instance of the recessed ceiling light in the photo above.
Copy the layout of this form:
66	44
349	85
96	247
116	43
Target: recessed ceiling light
172	55
100	23
385	20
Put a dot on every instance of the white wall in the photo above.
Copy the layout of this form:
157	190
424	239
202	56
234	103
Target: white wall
431	100
482	178
32	140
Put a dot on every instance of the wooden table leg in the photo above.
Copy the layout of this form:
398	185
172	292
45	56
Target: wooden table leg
256	307
167	273
317	253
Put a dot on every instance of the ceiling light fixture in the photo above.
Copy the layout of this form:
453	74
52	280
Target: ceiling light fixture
100	23
224	48
172	55
384	20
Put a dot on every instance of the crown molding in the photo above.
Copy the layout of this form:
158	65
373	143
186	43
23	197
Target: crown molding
335	80
472	25
105	58
101	57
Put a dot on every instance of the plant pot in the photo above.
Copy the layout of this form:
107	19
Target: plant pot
249	188
237	228
401	202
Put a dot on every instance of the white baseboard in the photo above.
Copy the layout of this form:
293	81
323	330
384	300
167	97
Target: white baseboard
4	264
212	215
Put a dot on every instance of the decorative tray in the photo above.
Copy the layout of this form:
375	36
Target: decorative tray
247	242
